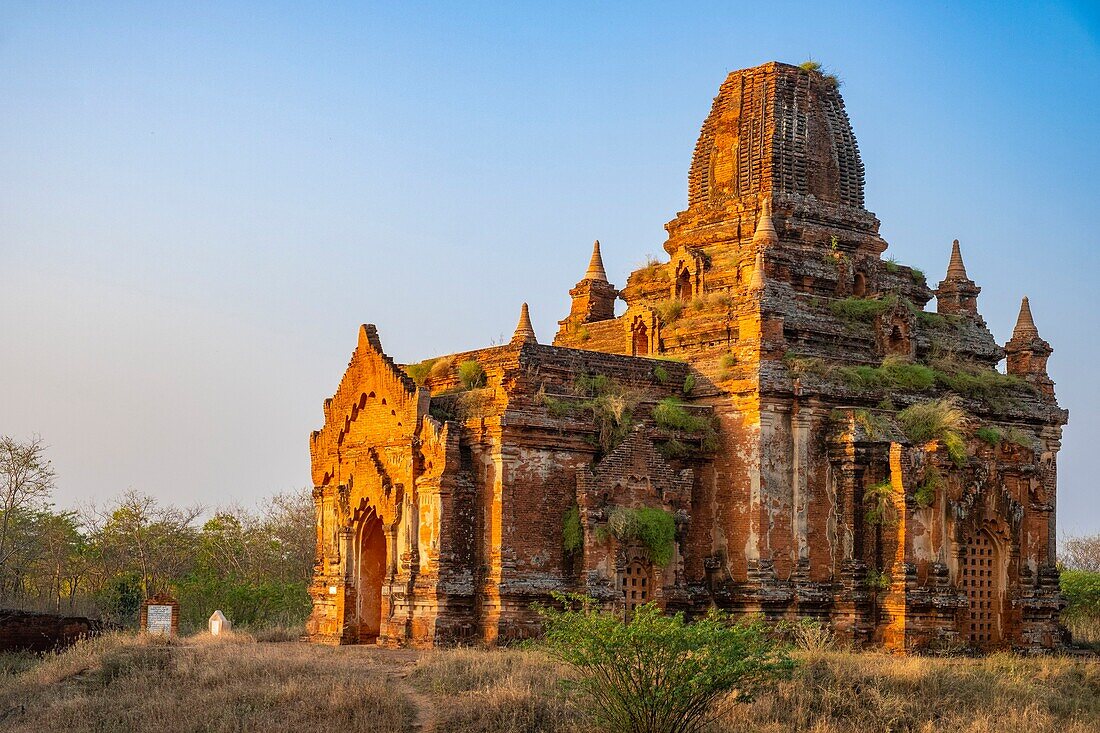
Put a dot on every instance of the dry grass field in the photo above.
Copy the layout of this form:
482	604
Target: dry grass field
126	683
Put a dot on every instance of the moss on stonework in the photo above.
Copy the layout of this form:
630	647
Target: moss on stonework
572	534
994	436
893	373
862	309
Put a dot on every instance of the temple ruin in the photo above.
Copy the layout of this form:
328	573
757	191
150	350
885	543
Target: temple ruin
775	425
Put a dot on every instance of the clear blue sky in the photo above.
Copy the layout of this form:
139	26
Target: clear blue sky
200	202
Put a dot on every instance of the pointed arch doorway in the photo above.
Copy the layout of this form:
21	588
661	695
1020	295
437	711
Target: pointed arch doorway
370	569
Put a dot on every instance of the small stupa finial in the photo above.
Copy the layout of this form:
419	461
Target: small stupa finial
765	233
955	268
595	265
525	332
1025	324
756	282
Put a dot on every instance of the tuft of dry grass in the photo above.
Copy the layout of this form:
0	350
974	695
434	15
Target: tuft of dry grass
844	692
209	684
503	690
120	682
1084	629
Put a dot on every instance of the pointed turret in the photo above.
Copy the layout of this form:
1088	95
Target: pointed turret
765	234
593	300
525	332
756	282
595	265
956	270
1025	329
1027	352
957	294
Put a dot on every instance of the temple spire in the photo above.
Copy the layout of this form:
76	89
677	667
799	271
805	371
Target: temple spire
957	294
756	282
955	268
1025	324
595	265
525	332
765	229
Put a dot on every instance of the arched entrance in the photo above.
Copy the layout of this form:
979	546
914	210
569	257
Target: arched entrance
370	569
980	577
683	285
640	337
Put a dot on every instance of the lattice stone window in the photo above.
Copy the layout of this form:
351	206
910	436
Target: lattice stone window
636	584
979	573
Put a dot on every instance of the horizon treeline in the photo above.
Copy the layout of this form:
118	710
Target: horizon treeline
104	560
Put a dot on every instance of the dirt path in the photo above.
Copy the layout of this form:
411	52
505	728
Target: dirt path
400	664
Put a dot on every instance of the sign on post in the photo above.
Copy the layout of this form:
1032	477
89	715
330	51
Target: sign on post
160	615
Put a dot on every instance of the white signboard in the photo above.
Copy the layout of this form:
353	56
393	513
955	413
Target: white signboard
159	620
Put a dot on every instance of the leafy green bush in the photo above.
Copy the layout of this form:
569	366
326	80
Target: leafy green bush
926	491
657	673
937	420
660	374
671	414
471	374
419	372
572	534
673	449
918	275
877	580
879	501
689	384
1082	590
654	528
989	434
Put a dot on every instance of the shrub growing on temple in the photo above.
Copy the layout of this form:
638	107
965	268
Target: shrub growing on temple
658	673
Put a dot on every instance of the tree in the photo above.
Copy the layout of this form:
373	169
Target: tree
658	673
137	535
1082	553
26	481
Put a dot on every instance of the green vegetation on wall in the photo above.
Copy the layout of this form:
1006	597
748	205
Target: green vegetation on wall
940	420
654	529
572	534
471	374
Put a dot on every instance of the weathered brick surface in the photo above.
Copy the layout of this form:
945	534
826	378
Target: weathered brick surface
469	487
42	632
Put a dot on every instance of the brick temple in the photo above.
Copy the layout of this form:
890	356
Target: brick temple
775	424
